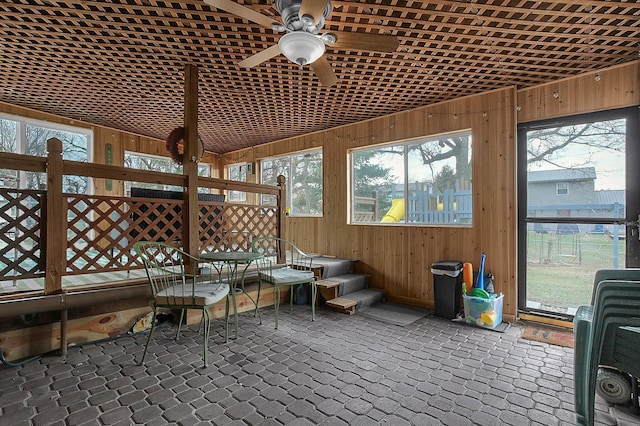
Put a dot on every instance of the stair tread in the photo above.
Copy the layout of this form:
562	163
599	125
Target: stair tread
341	302
327	283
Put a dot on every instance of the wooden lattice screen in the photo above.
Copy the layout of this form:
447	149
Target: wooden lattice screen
21	242
101	231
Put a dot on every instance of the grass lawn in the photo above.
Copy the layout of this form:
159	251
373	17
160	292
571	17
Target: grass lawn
560	268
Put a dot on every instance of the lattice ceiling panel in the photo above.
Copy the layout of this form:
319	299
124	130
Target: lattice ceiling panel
120	63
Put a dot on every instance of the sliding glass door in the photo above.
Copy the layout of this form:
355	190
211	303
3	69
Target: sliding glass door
578	207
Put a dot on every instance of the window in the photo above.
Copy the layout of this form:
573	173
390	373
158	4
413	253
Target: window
237	172
562	188
25	136
134	160
422	181
303	174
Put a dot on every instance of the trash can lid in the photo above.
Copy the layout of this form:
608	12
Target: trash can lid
447	265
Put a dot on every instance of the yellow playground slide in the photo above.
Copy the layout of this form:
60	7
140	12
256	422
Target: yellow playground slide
396	212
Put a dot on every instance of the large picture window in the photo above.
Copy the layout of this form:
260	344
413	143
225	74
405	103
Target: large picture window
303	173
421	181
24	136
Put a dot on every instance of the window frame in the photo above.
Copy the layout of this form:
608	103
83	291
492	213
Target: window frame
406	172
231	193
21	140
565	188
290	183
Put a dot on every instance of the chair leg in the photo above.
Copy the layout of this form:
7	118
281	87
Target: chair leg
258	302
207	330
291	291
276	302
180	323
146	346
226	320
314	295
235	310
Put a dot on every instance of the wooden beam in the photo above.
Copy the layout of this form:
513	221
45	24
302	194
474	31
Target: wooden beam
237	185
29	163
191	223
104	171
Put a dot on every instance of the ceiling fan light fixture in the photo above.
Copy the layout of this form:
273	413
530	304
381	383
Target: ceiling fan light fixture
301	48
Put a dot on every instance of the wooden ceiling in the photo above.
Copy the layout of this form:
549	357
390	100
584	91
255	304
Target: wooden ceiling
120	63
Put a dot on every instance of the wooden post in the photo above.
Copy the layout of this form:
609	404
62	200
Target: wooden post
190	220
56	234
56	225
281	201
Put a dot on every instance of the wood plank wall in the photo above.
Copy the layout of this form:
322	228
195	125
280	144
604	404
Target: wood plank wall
615	87
399	258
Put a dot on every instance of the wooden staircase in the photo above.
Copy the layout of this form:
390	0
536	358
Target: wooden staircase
342	289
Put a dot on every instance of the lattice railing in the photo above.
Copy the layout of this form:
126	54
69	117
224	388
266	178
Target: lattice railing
21	242
237	226
88	239
101	231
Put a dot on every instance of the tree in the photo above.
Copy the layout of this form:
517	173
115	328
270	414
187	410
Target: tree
306	184
74	147
445	179
370	177
8	138
549	144
456	147
303	174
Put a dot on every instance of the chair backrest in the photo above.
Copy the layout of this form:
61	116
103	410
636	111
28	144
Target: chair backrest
281	251
628	274
617	304
166	268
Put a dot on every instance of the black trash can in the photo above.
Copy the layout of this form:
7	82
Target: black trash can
447	287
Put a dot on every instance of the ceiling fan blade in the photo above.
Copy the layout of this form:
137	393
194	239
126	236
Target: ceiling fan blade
260	57
365	41
242	11
323	70
313	8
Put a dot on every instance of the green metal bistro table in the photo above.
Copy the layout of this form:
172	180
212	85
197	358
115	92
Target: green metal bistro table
234	261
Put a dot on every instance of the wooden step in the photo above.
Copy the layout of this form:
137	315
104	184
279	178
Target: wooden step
343	305
328	289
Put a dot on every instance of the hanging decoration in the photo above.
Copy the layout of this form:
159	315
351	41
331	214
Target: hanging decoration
174	143
174	140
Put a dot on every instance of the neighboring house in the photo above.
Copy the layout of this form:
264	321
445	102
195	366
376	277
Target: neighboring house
571	193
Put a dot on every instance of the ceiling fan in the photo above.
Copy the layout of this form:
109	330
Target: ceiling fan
302	43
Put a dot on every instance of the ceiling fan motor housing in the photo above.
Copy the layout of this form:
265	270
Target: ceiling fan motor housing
289	11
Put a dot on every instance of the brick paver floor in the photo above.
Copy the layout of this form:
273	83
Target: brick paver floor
337	370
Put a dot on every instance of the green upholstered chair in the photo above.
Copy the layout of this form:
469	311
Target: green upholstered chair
176	284
284	265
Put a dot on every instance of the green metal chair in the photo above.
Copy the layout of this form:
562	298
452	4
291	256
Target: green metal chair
602	337
284	265
177	285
